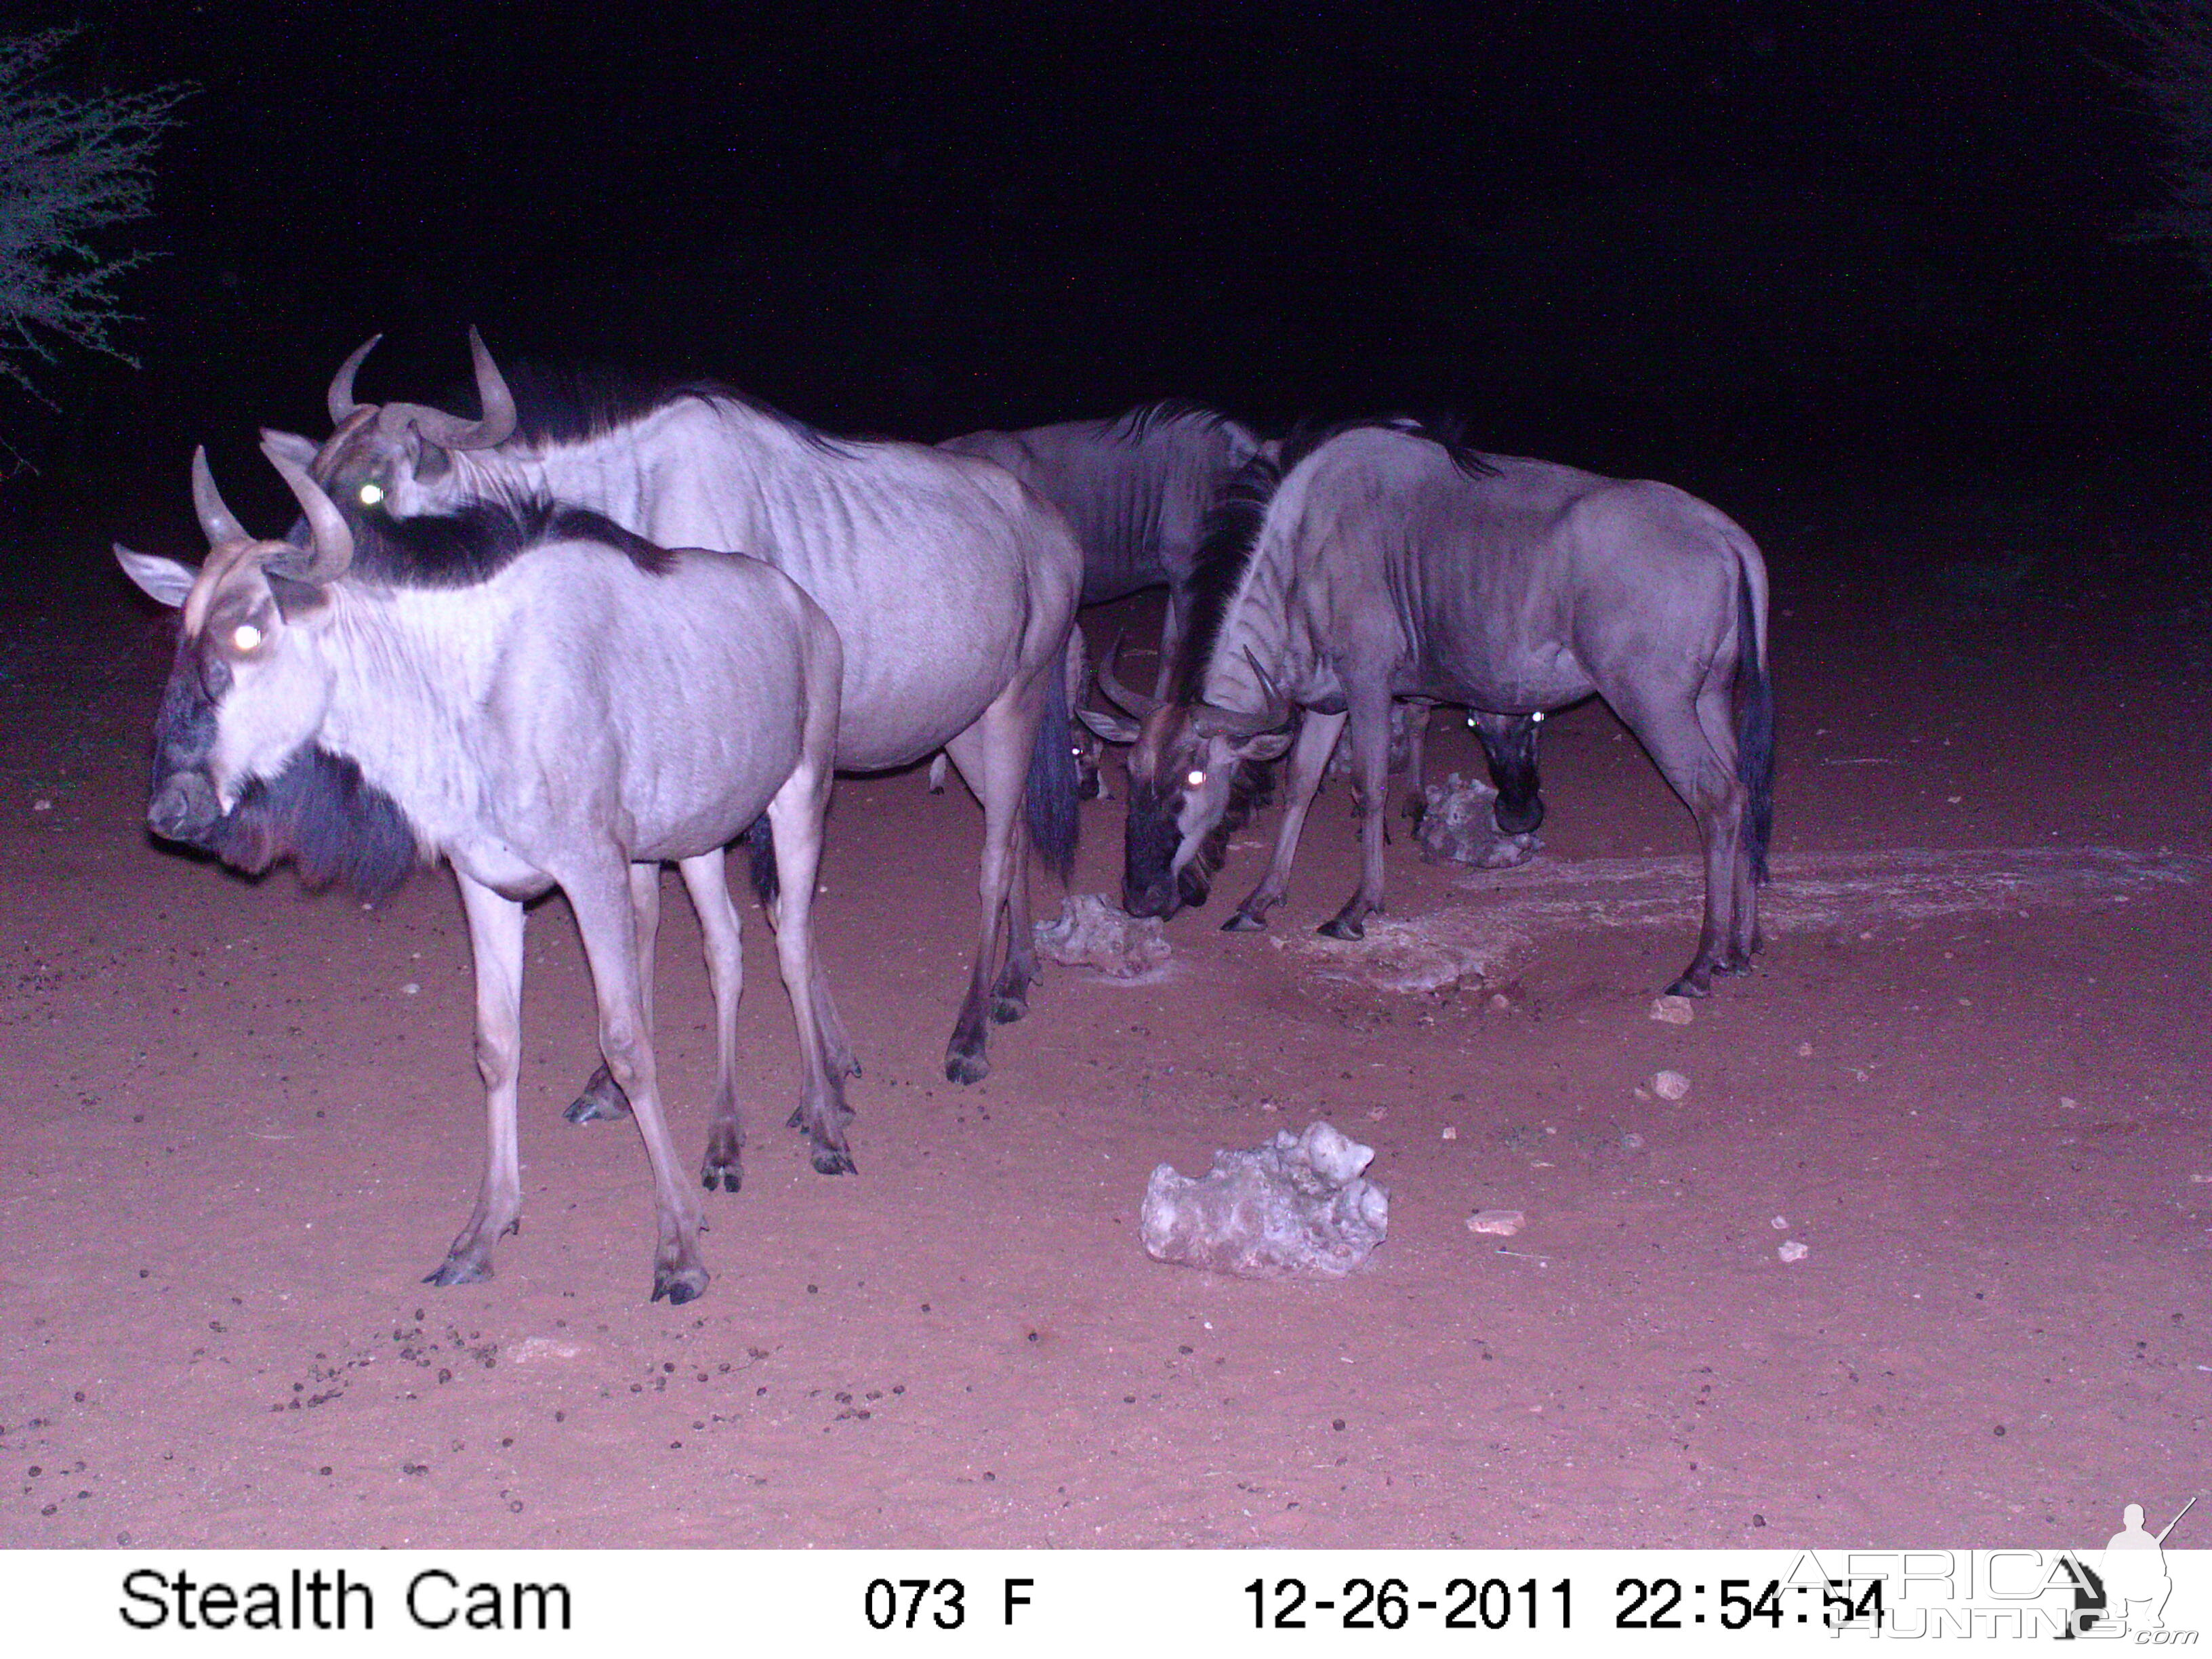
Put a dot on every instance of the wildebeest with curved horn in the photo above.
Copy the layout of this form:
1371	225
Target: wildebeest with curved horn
542	699
1383	561
952	587
1136	490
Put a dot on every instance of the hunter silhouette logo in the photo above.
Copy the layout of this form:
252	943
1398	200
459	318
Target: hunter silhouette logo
2135	1583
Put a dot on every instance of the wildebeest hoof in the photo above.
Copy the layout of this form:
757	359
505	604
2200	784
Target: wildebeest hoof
831	1160
1342	928
458	1270
1243	922
966	1068
679	1285
723	1169
1005	1010
1688	986
602	1101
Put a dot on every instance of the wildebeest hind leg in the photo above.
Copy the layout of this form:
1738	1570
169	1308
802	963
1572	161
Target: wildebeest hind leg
1309	760
1009	997
1706	780
795	814
993	757
704	878
495	941
602	1100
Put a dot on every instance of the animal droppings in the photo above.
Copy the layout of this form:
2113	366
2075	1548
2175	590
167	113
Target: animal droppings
1090	933
1672	1011
1502	1223
1294	1204
1459	826
1670	1085
1790	1250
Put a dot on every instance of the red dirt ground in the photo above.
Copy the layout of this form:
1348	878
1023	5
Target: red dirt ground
243	1121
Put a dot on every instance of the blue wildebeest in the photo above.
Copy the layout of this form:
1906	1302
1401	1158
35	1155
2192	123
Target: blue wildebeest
1136	490
952	587
1382	561
542	699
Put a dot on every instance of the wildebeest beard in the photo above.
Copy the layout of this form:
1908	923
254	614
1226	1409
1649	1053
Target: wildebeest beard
319	811
1153	837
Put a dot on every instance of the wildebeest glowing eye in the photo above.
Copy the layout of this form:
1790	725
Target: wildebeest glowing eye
1195	779
371	493
246	637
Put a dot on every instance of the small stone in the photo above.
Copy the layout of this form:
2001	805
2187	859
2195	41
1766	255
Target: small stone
1451	1133
1632	1142
42	806
1267	1105
1804	1051
1502	1223
1672	1011
1790	1250
1780	1224
410	989
1499	1002
1377	1114
1670	1085
2067	1103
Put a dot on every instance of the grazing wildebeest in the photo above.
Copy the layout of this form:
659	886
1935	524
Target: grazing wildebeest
951	585
1136	489
542	699
1381	560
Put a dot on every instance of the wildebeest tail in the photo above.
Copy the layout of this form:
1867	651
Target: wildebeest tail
760	843
1053	816
1754	725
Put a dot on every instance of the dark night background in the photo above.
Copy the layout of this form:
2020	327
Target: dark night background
1671	240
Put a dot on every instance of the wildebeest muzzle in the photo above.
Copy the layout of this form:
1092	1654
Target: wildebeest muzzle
185	809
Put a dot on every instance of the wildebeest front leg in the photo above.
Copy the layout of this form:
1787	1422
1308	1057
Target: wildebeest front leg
1369	714
601	901
495	940
705	879
1308	760
603	1100
1509	744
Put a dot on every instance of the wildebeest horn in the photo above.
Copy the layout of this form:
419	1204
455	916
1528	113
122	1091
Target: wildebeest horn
1127	699
1212	722
217	522
341	399
450	431
332	543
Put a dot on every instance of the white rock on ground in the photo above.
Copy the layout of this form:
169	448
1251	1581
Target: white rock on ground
1090	933
1670	1085
1502	1223
1672	1011
1459	826
1294	1204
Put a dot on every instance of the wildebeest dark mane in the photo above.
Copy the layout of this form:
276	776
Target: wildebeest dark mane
480	538
1232	527
1139	422
572	403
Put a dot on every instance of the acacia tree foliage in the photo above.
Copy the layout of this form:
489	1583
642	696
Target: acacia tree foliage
71	167
2176	36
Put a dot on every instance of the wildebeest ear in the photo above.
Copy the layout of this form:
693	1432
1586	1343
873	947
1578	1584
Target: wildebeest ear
295	599
1269	745
1109	726
301	451
431	462
164	581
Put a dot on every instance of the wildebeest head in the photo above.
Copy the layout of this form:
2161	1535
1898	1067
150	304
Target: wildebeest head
399	456
1194	772
235	771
